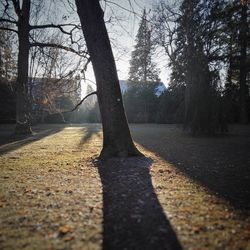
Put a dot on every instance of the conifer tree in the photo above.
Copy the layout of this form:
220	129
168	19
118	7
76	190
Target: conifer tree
142	69
236	38
195	53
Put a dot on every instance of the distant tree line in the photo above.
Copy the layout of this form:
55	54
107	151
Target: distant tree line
34	47
209	53
208	45
143	106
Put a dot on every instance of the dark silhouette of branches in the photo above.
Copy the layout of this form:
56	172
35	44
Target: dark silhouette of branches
93	93
65	28
59	46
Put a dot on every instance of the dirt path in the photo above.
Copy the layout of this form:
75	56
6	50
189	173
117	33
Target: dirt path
54	195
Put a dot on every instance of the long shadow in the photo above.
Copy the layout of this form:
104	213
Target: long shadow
10	142
132	215
220	164
88	131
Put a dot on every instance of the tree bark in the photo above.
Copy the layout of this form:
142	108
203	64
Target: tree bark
117	140
243	65
23	125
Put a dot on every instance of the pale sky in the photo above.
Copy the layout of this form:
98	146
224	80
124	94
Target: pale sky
122	34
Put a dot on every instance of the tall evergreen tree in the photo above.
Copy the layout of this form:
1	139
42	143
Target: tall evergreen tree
142	69
243	38
200	38
193	42
237	55
196	71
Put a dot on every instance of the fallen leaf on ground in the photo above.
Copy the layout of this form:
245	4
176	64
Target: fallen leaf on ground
64	229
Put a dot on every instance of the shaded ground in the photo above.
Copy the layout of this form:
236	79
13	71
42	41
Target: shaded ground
220	164
132	215
9	141
189	192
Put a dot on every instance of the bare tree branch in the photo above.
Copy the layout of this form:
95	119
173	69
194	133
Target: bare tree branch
6	6
7	21
77	105
59	46
85	67
86	79
123	8
59	26
8	29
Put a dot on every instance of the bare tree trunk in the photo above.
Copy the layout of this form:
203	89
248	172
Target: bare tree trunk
117	140
243	65
22	97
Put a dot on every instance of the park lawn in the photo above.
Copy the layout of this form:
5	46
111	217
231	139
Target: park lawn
52	187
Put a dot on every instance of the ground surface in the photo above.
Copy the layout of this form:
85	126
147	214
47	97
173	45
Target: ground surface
190	193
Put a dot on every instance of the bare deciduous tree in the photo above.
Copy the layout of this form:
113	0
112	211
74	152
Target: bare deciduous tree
18	14
117	138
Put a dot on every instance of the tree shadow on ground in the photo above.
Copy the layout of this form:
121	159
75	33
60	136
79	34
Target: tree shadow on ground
132	215
88	131
221	164
10	142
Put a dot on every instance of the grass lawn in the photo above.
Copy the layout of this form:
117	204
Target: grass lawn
189	193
